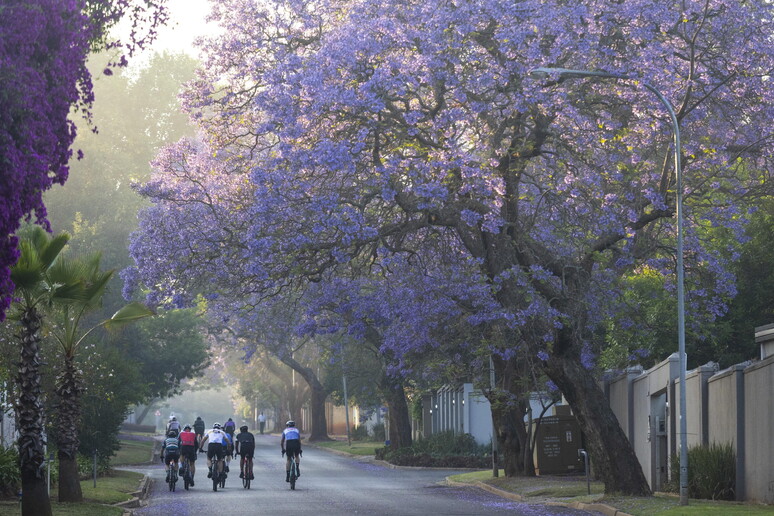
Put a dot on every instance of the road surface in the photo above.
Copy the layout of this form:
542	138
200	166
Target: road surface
330	484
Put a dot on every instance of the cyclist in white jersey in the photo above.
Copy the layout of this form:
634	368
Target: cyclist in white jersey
215	440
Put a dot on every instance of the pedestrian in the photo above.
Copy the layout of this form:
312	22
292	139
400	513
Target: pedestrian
261	422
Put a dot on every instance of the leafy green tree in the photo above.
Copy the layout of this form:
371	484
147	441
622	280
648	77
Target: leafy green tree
167	349
89	284
34	291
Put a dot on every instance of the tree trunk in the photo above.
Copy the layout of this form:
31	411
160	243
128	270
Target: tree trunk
319	430
317	407
144	412
69	388
509	403
512	437
398	413
29	420
610	450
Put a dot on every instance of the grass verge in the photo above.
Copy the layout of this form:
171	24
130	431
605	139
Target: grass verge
133	452
357	448
113	489
573	489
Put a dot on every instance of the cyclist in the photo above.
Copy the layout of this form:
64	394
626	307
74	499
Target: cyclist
170	450
199	427
173	424
245	447
291	444
215	441
189	442
229	427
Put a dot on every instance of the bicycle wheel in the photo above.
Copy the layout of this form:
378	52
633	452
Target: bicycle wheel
172	477
186	476
293	474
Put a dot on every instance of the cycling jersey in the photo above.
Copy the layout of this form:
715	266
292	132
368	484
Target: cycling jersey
188	439
171	444
246	441
216	436
291	433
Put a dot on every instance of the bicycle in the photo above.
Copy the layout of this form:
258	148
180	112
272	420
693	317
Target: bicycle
218	475
293	471
186	473
172	475
247	471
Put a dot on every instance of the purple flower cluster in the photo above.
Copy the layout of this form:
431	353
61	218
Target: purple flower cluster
417	176
43	77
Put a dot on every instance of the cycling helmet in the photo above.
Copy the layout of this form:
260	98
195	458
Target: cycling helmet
290	423
174	418
243	428
172	433
187	428
216	425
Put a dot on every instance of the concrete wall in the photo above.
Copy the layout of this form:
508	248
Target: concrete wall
758	428
697	409
620	393
726	404
479	415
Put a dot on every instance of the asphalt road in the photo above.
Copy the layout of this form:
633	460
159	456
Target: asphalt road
330	484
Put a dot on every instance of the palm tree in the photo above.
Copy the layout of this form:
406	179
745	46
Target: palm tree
89	285
38	253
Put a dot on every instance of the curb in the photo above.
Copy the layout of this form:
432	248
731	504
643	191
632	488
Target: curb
606	510
138	496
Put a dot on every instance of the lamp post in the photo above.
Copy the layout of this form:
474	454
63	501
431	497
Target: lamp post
565	73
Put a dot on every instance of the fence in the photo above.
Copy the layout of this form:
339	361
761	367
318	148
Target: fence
733	406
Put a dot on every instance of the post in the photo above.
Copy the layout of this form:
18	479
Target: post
95	468
346	409
495	461
586	468
48	472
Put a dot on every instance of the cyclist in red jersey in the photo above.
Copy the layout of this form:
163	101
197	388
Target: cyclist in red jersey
189	443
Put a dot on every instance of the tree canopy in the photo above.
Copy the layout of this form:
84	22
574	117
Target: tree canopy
339	134
43	79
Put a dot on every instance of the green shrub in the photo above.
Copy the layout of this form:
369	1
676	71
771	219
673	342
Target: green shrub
444	449
378	432
86	466
10	476
360	433
711	472
444	444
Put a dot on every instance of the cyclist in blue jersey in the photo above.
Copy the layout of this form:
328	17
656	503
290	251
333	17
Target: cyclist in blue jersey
170	451
291	444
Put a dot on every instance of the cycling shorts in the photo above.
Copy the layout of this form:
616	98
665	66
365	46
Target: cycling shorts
215	450
246	451
293	446
190	452
170	456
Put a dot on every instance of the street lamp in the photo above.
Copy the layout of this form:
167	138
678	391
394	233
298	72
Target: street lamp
565	73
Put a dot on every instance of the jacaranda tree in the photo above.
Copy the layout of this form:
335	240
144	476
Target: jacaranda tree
362	125
43	79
